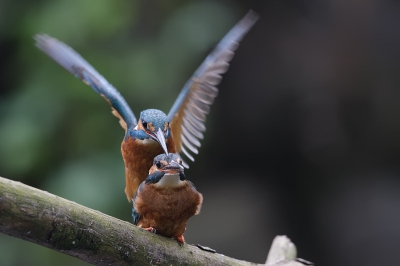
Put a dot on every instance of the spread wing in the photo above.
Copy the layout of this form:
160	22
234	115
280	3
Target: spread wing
79	67
188	114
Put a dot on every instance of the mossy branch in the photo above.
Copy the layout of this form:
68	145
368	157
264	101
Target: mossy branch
50	221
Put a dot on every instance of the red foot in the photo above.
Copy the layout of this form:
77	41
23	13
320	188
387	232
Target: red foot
180	239
150	229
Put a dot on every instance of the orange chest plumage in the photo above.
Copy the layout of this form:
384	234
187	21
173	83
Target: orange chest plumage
167	209
138	157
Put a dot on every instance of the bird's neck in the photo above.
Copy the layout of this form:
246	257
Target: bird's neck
142	138
170	181
148	142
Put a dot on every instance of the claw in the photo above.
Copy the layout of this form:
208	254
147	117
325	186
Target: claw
180	239
150	229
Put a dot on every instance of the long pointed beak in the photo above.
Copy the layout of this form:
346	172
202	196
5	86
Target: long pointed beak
159	137
174	166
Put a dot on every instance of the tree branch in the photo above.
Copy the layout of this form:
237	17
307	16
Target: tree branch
50	221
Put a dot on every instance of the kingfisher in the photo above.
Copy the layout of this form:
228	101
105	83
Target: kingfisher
166	199
156	132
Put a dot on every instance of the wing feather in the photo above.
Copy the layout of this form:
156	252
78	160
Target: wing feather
187	155
80	68
189	111
189	145
189	127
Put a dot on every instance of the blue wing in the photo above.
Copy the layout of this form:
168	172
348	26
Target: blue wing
189	111
74	63
135	216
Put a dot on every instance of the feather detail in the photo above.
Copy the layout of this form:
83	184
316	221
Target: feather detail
188	114
73	62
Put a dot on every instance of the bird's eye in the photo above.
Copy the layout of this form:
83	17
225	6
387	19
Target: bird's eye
158	164
144	124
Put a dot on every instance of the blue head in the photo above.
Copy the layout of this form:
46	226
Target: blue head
169	163
153	119
154	124
164	164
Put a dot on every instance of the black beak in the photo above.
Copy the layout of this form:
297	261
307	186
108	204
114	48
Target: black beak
174	166
159	137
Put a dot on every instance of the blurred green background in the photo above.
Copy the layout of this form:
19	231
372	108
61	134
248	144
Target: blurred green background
302	140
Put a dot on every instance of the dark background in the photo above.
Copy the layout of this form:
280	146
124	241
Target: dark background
303	139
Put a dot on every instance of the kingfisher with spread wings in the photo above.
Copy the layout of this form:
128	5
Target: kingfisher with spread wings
155	132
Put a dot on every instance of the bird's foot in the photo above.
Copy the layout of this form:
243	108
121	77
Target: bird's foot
150	229
180	239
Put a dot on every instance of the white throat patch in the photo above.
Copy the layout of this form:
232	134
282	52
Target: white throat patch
146	141
170	180
149	142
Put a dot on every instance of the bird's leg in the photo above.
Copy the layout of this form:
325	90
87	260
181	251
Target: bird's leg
150	229
180	239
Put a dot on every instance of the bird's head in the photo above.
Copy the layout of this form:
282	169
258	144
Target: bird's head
168	164
167	171
155	125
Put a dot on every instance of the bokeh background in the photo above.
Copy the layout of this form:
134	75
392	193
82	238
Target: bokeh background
303	139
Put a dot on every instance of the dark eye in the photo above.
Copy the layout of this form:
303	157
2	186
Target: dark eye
158	164
144	124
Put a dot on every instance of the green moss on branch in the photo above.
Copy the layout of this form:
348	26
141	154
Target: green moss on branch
40	217
65	226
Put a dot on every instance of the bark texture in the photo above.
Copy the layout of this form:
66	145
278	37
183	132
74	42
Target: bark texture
45	219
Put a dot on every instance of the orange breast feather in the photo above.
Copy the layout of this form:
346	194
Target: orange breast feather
138	158
167	210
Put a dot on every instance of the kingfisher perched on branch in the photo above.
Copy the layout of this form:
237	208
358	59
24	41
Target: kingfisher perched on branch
155	132
166	200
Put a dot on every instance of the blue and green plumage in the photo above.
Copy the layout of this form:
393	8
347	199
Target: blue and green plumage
182	129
